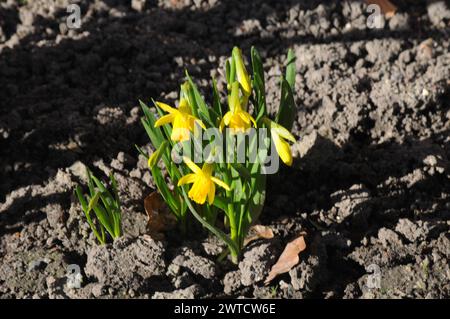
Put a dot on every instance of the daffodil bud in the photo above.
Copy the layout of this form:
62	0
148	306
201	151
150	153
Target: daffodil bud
185	90
156	156
279	135
241	72
234	102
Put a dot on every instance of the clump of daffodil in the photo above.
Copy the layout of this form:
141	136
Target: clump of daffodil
183	122
240	195
279	136
236	118
203	182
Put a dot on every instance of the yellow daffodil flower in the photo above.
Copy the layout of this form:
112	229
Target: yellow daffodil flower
204	182
237	119
241	73
182	120
279	134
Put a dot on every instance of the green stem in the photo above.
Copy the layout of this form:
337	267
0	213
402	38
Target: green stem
234	231
183	224
233	227
234	250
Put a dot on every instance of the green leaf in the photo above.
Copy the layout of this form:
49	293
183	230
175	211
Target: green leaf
258	70
104	219
81	198
228	70
221	202
257	198
217	107
141	151
165	192
106	196
258	84
237	185
290	69
93	201
145	108
117	224
231	72
242	170
90	183
154	133
115	189
199	103
287	110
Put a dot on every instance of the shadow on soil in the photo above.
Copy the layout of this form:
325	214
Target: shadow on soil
52	96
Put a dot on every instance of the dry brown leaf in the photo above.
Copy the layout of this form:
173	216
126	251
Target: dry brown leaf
288	259
426	48
159	217
387	7
258	232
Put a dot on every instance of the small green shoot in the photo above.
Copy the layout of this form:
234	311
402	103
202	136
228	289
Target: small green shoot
101	206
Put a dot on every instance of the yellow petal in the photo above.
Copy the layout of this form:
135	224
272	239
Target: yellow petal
193	167
165	120
166	107
220	183
211	193
238	124
187	179
225	120
245	117
283	149
199	122
284	133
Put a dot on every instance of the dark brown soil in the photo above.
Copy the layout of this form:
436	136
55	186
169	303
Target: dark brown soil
370	183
